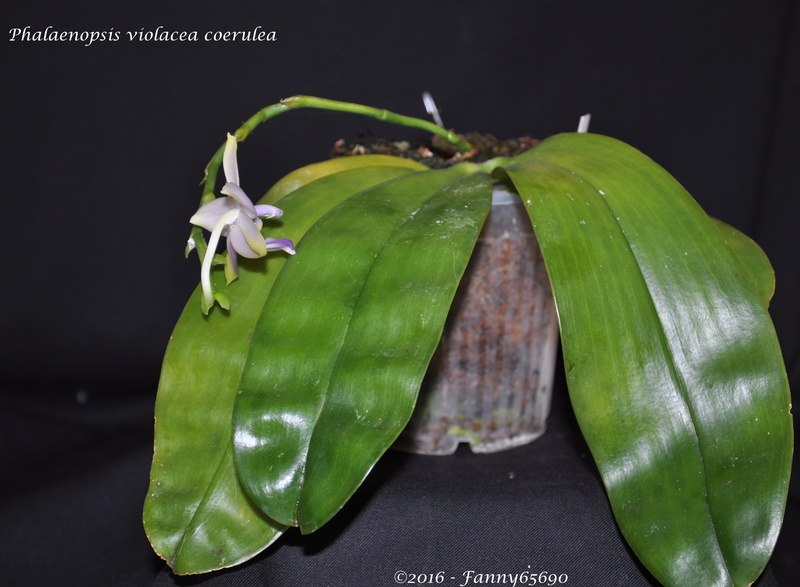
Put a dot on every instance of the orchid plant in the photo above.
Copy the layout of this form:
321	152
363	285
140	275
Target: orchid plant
273	407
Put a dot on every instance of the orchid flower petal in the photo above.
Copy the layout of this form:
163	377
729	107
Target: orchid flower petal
229	163
280	244
240	245
208	214
241	199
247	239
267	211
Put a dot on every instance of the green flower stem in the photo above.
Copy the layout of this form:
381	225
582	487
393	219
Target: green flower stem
294	102
196	241
322	103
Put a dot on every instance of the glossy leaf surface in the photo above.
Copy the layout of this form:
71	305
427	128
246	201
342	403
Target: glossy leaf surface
754	262
352	321
272	414
196	515
672	362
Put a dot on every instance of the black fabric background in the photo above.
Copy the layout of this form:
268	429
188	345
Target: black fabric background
105	145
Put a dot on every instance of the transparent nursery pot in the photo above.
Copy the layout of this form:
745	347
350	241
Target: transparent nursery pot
490	381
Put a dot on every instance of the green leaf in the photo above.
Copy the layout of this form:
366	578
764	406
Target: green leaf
673	366
196	514
339	354
300	177
754	262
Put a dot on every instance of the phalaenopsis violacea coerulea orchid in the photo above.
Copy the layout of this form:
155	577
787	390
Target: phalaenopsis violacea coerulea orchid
236	217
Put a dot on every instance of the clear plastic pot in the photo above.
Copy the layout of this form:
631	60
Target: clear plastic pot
490	380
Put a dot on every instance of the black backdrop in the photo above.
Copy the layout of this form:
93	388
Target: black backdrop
105	145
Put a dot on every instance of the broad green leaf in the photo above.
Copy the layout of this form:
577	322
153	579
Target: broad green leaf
300	177
755	264
339	354
673	366
196	515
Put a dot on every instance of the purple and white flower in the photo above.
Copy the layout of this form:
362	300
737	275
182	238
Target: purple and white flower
234	216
